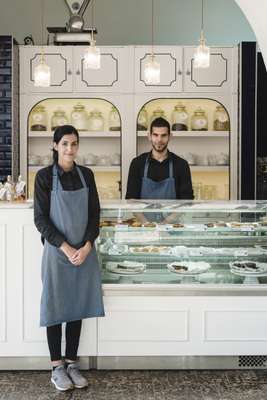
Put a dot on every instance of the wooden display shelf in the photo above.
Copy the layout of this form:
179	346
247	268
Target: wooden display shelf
191	134
82	134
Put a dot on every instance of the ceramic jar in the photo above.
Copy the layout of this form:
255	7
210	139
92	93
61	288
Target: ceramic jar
59	118
199	120
179	118
95	121
79	117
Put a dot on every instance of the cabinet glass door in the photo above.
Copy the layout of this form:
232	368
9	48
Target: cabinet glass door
99	125
199	134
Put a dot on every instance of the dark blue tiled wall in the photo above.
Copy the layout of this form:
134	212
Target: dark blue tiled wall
5	106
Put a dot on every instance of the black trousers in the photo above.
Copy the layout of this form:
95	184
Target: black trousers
54	336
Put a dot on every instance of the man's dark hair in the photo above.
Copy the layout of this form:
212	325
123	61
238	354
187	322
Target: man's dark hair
160	123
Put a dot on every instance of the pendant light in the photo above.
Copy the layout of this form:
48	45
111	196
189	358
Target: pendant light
152	67
42	72
202	52
92	53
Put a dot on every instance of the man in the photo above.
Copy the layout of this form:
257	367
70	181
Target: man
159	174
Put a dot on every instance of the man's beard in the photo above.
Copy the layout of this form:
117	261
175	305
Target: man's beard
161	150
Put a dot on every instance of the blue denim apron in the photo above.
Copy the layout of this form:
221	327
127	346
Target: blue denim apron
164	189
70	292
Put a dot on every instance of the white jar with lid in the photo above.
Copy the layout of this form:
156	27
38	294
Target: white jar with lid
199	120
95	121
59	118
79	117
158	113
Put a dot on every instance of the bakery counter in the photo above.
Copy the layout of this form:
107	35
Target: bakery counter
193	284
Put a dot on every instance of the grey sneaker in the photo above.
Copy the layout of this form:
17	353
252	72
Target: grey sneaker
78	380
60	379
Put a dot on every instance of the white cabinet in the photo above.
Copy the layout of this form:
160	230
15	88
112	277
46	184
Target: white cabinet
217	78
171	74
69	75
115	74
20	290
59	59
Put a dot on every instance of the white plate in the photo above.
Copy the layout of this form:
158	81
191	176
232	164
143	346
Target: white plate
262	269
131	267
194	268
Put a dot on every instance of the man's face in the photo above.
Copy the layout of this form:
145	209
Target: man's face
159	139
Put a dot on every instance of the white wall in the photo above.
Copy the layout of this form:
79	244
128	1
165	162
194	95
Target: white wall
256	13
125	22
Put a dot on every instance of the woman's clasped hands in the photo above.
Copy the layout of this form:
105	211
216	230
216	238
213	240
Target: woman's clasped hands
76	256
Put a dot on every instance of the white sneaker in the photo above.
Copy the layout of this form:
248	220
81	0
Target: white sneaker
61	379
78	380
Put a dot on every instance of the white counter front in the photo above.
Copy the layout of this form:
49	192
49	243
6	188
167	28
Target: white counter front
141	320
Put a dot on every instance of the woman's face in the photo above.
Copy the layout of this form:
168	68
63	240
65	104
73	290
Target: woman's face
67	148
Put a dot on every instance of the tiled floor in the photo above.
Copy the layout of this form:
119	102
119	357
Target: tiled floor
140	385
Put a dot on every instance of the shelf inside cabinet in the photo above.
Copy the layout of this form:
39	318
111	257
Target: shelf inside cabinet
209	168
208	134
82	134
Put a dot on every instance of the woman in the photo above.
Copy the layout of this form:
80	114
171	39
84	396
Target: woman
66	213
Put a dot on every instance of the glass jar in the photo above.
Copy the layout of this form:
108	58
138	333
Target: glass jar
95	121
79	117
38	119
59	118
114	120
221	120
142	121
199	120
158	113
179	118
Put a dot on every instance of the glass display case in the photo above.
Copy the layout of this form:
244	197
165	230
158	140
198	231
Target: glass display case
170	242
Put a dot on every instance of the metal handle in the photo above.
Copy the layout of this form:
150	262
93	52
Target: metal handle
179	72
69	72
188	72
78	72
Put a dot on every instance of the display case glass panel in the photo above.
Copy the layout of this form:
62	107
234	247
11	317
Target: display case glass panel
186	242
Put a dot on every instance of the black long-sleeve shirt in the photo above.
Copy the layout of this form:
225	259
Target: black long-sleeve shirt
157	171
70	181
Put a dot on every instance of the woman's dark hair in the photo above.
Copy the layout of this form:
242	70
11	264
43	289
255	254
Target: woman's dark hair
160	123
60	131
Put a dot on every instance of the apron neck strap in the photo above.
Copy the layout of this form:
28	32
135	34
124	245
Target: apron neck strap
81	176
170	167
146	167
56	182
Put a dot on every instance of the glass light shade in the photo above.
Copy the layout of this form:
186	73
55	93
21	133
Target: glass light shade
42	75
152	71
92	57
202	55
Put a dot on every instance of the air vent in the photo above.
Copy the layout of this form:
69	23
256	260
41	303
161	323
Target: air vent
252	361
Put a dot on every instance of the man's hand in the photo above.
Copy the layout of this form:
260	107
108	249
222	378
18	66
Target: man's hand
80	255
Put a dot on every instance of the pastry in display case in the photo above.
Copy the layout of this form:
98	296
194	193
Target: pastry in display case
192	242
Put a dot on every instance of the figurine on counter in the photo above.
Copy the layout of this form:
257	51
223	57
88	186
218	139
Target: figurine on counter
68	219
